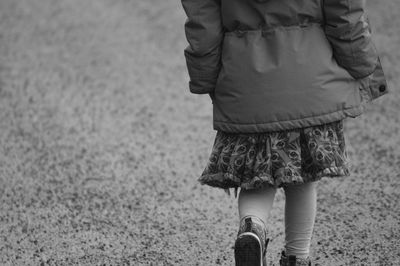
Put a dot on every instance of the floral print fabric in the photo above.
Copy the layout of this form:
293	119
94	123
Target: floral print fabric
276	159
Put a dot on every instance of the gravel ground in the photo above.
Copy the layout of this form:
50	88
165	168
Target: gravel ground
101	144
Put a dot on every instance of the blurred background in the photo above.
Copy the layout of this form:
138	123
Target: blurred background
101	144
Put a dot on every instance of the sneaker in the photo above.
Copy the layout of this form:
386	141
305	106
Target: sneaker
251	243
291	260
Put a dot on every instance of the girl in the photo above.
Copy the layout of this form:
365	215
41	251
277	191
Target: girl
282	76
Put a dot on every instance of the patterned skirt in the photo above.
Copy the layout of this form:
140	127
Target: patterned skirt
277	159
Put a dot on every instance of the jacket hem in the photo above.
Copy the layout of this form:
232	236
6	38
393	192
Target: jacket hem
288	124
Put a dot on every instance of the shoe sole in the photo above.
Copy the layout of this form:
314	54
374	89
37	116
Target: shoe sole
248	250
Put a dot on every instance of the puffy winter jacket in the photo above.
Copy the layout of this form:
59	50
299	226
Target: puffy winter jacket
281	64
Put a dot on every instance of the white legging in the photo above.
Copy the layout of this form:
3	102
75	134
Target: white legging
300	210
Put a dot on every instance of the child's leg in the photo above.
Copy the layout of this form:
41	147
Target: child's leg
300	211
256	202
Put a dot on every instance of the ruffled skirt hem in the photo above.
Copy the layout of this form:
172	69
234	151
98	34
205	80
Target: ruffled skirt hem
227	181
277	159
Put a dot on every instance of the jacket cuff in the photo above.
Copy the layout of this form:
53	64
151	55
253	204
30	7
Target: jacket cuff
362	70
359	63
201	86
203	70
378	84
